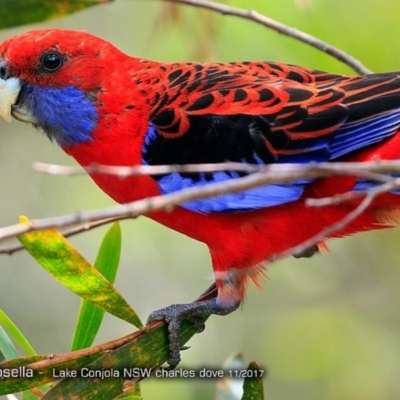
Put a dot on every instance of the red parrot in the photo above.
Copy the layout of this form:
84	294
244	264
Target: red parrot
103	106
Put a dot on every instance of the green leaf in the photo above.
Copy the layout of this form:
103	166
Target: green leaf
253	384
6	345
61	260
22	12
90	316
16	334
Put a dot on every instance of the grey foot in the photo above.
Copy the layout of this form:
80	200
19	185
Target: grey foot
174	314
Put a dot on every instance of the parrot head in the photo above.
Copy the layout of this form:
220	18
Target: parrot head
53	80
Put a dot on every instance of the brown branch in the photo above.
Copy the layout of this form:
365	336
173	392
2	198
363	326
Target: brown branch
301	248
336	227
369	196
394	183
157	203
272	175
13	248
254	16
124	172
369	170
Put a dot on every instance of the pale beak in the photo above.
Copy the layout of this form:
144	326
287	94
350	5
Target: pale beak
9	90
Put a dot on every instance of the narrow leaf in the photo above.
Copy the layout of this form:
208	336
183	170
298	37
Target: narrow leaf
90	316
15	333
61	260
6	345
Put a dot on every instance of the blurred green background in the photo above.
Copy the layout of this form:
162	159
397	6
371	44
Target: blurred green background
325	328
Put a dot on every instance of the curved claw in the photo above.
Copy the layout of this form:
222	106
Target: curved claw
174	314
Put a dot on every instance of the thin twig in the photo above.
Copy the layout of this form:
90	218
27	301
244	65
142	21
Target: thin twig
389	186
124	172
370	195
15	247
369	170
328	231
269	174
165	202
254	16
307	244
157	203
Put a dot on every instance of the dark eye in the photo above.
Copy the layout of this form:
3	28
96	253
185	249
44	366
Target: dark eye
52	61
4	74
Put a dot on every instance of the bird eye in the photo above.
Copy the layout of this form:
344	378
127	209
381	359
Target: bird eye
4	73
52	61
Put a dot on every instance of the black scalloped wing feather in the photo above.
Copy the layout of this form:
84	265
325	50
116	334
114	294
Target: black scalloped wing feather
264	113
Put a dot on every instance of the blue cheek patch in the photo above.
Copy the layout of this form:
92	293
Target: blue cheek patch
65	114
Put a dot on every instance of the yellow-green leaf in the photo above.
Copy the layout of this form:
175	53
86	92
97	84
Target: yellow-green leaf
61	260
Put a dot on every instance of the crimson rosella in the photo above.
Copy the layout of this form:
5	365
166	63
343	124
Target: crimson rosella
102	106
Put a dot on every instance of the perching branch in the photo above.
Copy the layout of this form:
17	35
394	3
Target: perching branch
258	18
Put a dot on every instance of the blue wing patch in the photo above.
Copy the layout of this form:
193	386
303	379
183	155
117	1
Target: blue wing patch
259	197
158	151
219	139
359	134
